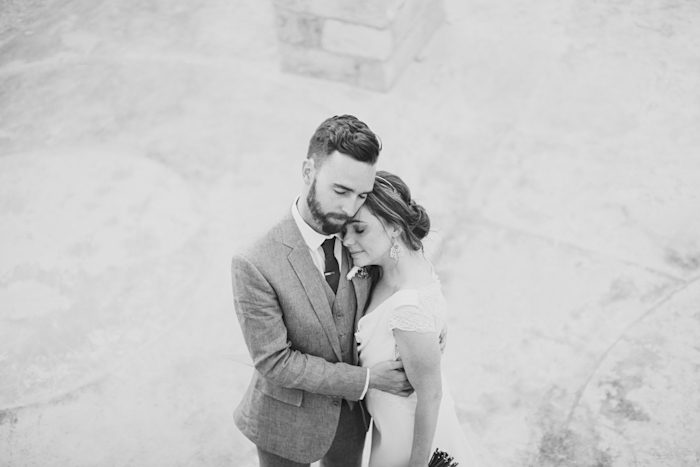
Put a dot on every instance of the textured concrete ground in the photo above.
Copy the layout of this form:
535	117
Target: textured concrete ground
555	143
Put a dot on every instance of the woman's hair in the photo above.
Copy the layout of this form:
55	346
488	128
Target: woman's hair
391	201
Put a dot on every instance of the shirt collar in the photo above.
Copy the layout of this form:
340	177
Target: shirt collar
312	238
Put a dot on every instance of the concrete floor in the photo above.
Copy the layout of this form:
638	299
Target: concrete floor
555	143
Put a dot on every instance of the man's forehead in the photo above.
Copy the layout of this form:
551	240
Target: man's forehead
351	188
349	173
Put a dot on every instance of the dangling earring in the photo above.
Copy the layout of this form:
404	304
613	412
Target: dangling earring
397	251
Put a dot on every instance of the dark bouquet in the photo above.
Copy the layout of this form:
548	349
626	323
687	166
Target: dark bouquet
442	459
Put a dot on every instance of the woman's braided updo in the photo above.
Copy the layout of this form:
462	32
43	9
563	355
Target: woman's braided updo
391	201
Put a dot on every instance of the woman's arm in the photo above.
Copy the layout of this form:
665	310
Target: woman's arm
420	352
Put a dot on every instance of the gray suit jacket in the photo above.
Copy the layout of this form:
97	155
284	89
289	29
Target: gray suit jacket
292	405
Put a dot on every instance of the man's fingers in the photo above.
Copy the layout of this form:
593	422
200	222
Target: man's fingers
396	365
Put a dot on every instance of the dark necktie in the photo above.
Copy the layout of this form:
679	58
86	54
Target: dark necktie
332	273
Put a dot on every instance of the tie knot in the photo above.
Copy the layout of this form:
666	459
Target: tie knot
332	272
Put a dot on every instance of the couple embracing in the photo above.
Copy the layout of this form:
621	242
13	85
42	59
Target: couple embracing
344	319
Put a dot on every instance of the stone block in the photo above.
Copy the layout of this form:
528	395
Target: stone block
298	28
365	43
319	63
375	13
381	75
358	40
410	15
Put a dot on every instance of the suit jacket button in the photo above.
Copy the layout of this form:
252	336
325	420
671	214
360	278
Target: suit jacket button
339	315
336	403
341	335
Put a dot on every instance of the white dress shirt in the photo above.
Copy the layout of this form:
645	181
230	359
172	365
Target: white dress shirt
314	240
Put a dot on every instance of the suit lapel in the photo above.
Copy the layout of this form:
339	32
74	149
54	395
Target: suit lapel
361	293
311	280
361	287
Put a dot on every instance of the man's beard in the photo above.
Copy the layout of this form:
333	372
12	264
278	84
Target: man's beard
330	223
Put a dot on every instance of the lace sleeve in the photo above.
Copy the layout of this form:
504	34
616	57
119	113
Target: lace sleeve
412	318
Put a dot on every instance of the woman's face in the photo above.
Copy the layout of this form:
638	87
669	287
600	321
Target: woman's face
367	239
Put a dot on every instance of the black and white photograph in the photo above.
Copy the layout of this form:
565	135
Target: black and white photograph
349	233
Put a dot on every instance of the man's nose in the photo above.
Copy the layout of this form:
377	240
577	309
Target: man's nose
350	206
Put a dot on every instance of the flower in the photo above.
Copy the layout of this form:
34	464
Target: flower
360	272
442	459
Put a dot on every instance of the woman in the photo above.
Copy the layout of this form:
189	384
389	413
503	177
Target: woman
403	319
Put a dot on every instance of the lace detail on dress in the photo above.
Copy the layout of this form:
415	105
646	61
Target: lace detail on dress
426	312
412	318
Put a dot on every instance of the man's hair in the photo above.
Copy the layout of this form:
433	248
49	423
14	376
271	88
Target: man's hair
347	135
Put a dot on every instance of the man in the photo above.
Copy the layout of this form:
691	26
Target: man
298	312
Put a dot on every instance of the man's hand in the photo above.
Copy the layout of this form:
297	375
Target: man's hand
390	377
443	339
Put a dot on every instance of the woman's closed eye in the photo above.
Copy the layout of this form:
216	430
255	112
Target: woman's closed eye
358	230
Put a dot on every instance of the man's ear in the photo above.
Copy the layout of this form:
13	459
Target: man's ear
308	170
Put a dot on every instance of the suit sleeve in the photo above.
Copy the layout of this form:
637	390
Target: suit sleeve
261	319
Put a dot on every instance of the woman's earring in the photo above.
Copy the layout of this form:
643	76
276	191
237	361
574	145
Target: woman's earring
397	251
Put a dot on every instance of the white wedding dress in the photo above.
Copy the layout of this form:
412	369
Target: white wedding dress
420	310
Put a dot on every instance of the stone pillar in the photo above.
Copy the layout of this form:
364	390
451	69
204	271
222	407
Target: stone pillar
367	43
